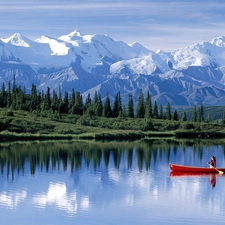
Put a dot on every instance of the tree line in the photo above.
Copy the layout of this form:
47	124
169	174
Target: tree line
45	103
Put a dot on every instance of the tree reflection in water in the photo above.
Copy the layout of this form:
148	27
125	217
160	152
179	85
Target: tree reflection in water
74	154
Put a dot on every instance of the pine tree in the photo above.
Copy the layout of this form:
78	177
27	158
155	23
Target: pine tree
130	107
148	106
155	110
65	103
208	119
117	106
175	115
54	101
78	105
194	114
201	114
3	96
184	117
71	101
33	98
223	119
168	112
9	98
99	108
140	113
46	105
107	111
161	112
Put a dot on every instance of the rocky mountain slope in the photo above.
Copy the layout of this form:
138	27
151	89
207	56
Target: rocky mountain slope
191	75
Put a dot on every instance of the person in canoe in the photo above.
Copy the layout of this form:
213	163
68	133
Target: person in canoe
212	162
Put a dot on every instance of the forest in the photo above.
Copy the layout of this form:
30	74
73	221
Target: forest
72	109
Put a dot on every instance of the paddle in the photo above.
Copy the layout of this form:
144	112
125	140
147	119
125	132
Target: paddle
220	172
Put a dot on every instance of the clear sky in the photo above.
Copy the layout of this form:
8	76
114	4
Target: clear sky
156	24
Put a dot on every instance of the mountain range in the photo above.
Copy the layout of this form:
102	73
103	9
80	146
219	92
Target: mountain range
192	75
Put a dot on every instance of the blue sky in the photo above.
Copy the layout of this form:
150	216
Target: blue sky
156	24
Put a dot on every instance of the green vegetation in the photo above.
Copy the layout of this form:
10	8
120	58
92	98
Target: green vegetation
50	115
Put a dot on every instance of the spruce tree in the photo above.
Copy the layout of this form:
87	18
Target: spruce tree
54	101
155	110
130	107
140	112
184	117
78	105
175	115
107	111
194	114
46	104
71	101
65	103
33	98
168	112
3	96
99	109
9	99
161	112
117	106
148	106
201	114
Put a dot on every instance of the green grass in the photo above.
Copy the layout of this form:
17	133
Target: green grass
20	125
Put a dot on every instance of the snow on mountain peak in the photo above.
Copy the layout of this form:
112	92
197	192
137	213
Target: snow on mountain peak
72	37
220	41
58	47
140	48
16	40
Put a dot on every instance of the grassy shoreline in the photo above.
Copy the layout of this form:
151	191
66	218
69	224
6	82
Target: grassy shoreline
20	125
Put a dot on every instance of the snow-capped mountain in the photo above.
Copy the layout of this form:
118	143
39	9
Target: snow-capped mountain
191	75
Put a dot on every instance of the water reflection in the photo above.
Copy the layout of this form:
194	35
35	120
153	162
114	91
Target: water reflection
50	155
211	177
57	195
124	182
12	199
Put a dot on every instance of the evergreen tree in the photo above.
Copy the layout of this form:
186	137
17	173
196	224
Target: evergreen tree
148	106
46	104
107	111
88	102
130	107
99	106
194	114
155	110
9	99
54	101
201	114
175	115
117	106
71	101
140	113
208	119
33	98
60	101
223	119
161	112
168	112
3	96
184	117
65	103
78	105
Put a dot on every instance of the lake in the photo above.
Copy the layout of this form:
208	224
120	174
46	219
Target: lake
75	182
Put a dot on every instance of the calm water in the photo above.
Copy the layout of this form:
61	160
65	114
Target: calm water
109	183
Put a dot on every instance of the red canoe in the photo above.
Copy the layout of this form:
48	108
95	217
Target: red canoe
195	169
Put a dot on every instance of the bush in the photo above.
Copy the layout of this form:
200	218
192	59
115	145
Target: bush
147	125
